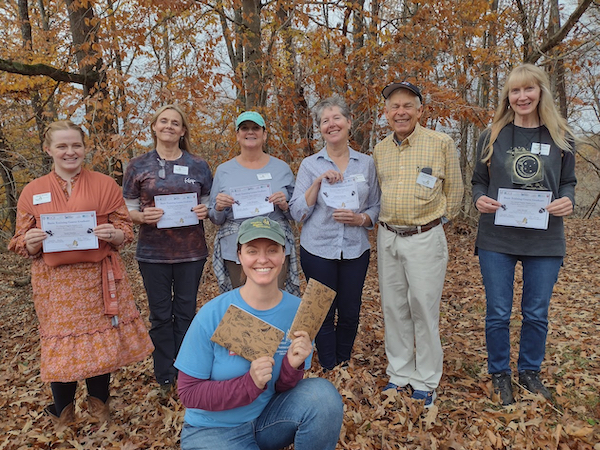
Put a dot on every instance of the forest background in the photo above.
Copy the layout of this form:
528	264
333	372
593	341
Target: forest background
109	64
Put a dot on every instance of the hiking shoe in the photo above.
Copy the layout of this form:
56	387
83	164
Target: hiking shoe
428	396
399	389
166	388
530	380
503	387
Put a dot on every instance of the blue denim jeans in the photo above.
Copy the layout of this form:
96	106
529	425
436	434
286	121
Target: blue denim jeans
309	416
539	276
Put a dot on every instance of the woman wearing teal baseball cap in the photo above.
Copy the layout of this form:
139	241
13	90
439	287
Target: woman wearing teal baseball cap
251	184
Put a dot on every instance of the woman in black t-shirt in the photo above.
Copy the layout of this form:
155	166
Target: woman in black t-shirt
527	154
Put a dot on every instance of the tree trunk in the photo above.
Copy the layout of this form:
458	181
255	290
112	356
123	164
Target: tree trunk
301	116
83	32
8	182
99	110
166	50
357	71
36	101
251	37
557	75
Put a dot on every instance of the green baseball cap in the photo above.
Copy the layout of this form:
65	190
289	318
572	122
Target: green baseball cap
260	227
251	116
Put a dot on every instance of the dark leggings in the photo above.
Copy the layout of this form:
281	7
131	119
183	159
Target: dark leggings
64	393
345	276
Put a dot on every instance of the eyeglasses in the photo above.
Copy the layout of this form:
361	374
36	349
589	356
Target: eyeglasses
161	172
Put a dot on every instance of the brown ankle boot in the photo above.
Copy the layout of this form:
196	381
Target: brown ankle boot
66	418
99	410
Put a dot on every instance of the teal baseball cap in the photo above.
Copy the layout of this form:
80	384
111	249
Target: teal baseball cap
260	227
251	116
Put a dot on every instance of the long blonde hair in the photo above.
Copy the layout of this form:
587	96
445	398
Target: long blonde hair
184	142
525	75
60	125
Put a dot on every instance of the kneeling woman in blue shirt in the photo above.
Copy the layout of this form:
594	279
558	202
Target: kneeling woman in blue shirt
234	404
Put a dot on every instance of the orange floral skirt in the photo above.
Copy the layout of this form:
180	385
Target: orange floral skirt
78	339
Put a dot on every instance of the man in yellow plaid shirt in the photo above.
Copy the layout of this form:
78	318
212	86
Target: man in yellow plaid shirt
421	187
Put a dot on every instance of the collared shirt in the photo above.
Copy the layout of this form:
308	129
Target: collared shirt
406	202
321	234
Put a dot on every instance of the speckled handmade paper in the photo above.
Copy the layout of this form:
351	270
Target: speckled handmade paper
315	304
247	335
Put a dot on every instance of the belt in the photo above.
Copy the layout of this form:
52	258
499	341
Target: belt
412	231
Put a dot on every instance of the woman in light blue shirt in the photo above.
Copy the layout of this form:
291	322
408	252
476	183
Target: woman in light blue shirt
334	243
251	168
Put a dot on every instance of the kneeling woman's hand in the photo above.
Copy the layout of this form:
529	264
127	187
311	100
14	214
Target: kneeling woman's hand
261	371
299	349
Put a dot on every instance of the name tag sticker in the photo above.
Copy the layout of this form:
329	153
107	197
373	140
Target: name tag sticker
426	180
38	199
180	170
540	149
359	177
264	176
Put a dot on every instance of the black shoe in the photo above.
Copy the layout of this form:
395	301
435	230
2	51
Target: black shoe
530	380
503	387
166	388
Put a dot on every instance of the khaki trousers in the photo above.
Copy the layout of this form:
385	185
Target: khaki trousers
411	278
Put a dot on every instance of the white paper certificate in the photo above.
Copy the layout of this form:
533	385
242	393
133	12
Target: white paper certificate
343	194
523	208
72	231
177	210
250	201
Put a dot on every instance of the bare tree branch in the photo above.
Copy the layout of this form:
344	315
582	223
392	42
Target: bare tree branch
52	72
558	37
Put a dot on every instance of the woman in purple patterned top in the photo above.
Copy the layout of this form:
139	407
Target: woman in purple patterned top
171	259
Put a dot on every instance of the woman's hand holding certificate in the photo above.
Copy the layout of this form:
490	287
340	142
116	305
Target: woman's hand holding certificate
343	194
178	210
250	201
523	208
72	231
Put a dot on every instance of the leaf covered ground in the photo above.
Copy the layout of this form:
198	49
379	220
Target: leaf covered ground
464	416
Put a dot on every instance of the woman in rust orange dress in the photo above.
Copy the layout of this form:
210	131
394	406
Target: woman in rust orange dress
89	324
